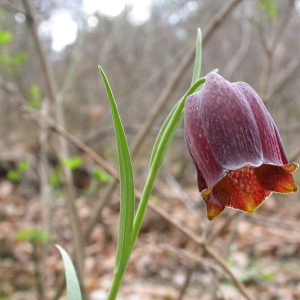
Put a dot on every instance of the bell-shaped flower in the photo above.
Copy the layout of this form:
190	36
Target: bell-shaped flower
235	146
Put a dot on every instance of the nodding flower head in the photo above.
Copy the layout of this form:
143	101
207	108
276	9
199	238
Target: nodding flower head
235	147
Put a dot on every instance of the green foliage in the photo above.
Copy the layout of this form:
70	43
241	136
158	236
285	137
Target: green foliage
35	96
266	276
19	58
250	273
74	162
100	175
73	289
55	178
269	7
5	37
127	197
16	175
33	235
10	61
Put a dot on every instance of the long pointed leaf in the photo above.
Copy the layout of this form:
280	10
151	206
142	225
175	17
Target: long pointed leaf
73	289
126	185
198	58
159	150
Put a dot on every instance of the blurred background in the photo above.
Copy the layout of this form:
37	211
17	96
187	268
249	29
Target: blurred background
55	127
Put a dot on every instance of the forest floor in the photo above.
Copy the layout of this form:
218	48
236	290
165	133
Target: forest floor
262	249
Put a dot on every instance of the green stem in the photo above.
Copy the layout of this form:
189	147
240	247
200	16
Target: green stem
164	142
115	286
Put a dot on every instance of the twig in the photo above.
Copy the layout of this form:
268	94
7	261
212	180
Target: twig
284	74
129	129
37	274
188	276
73	139
209	240
45	190
184	198
295	154
221	261
96	216
196	258
223	227
271	49
238	57
278	224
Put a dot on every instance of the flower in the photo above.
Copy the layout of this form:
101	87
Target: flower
235	147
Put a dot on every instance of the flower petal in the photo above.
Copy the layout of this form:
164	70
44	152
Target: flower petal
200	151
229	124
240	189
277	178
272	146
245	189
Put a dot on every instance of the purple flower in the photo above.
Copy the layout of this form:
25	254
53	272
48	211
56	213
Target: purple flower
235	146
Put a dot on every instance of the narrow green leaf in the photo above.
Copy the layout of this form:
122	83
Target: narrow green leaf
126	185
161	132
73	289
165	137
161	145
198	58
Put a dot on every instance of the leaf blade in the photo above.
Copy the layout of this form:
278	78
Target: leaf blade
198	58
126	184
73	288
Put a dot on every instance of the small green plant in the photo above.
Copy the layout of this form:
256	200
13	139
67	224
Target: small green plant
33	235
74	162
17	174
55	177
10	61
5	37
100	175
36	238
268	6
34	100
